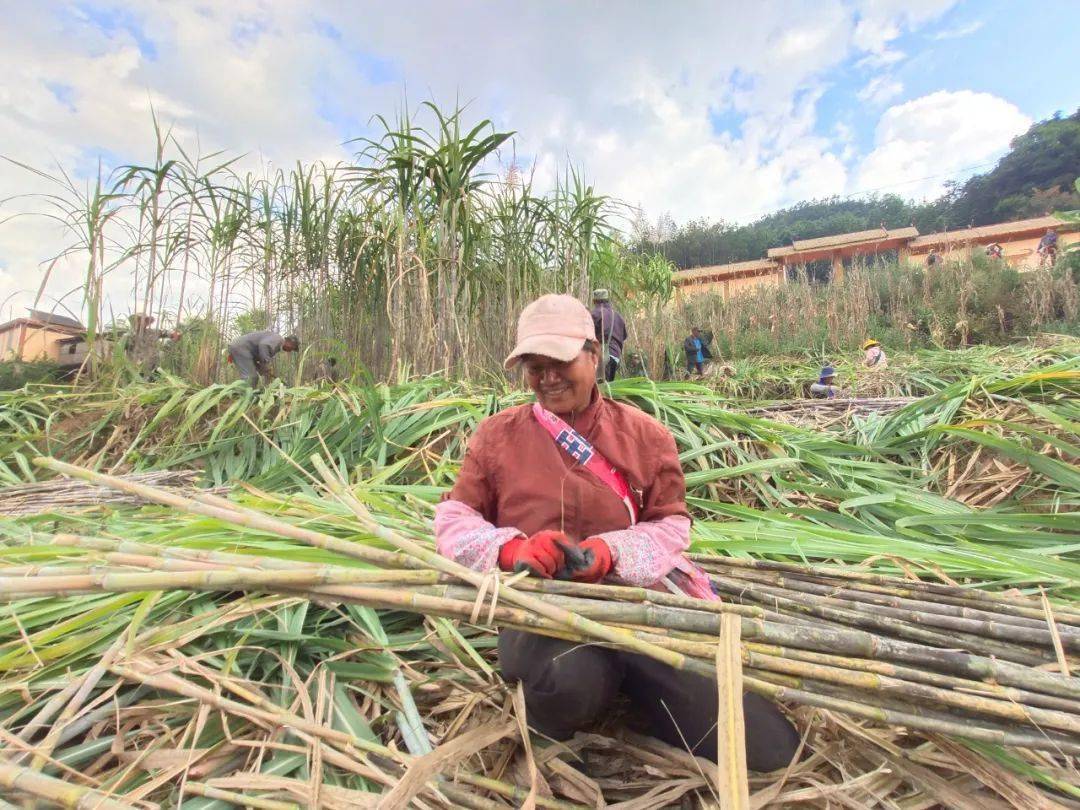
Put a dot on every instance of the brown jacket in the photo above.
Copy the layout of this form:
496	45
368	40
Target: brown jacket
515	475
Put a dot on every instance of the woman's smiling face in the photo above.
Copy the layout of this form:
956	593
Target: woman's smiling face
562	387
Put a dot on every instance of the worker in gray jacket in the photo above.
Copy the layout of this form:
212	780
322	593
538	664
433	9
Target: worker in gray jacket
252	353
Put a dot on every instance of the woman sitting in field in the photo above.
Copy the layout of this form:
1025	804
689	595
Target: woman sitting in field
581	487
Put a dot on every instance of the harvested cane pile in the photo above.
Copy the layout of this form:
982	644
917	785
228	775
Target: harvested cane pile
931	658
828	413
64	495
286	648
910	373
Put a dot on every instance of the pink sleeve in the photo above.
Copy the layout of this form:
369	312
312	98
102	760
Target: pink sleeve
462	534
647	553
644	555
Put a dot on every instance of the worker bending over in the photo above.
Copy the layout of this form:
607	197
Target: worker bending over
581	487
253	352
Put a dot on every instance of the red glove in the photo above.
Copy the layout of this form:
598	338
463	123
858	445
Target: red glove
599	556
542	554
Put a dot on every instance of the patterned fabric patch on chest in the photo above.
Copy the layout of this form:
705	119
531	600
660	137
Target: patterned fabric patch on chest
578	449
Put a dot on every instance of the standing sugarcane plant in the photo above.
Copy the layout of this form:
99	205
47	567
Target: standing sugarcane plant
150	187
433	181
427	222
88	214
580	218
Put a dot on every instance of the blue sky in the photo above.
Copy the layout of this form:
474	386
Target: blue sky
1024	52
723	110
994	47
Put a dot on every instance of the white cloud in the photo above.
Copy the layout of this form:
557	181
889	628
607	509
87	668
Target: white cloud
881	89
58	104
844	140
882	59
624	95
874	33
881	23
922	143
959	31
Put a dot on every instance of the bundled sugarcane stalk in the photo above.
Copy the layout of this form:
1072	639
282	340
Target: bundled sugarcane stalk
859	405
807	637
828	413
66	495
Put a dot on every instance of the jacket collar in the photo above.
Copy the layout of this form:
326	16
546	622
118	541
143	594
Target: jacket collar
585	421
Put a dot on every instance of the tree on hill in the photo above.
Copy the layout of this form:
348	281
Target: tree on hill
1033	179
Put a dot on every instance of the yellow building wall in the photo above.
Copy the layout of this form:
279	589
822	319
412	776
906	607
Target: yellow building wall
37	343
730	287
8	342
741	285
1020	253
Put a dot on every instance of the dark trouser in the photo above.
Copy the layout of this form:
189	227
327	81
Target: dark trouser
569	686
610	367
245	365
692	365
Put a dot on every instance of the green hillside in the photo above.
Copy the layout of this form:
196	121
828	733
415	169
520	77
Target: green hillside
1033	179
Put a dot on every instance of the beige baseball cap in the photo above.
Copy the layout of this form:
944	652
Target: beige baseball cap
555	326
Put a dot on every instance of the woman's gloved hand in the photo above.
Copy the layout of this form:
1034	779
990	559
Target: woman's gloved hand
542	554
598	554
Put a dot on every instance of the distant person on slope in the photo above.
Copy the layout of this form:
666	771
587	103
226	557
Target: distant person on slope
1047	249
706	344
636	365
610	333
995	251
694	346
825	387
252	353
874	355
933	258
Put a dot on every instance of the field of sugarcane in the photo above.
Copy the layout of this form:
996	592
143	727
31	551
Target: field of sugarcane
416	255
214	596
217	597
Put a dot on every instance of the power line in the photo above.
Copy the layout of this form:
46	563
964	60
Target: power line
920	179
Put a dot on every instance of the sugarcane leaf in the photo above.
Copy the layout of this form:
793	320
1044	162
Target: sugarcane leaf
1065	475
750	468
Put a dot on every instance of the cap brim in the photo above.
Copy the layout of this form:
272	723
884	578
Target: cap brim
556	347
